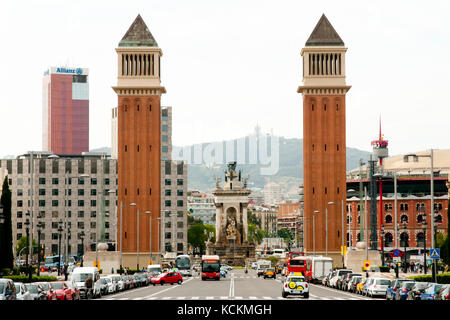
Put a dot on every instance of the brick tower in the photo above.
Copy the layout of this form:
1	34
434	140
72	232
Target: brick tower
139	144
324	145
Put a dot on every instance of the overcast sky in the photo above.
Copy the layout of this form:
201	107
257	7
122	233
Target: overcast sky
228	65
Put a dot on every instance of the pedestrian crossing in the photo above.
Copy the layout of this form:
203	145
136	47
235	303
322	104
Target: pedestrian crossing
311	297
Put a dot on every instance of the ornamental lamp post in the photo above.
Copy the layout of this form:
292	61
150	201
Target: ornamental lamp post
60	230
39	228
424	229
404	243
82	234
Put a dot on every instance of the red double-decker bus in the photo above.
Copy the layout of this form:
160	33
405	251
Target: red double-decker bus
210	267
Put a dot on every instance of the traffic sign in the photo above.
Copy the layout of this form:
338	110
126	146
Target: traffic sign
366	265
435	253
396	253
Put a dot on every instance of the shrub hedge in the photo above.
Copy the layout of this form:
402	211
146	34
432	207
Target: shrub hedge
440	278
25	279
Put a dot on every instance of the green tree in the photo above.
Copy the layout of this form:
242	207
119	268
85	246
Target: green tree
197	237
23	246
6	252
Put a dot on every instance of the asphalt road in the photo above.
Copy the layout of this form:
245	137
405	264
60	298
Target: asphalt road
236	286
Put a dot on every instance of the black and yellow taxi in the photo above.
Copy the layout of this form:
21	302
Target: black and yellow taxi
295	284
269	273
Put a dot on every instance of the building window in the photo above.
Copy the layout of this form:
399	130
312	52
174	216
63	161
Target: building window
179	203
168	203
179	182
404	218
388	219
168	182
41	203
41	180
93	192
81	203
180	193
94	181
54	203
20	203
80	214
81	192
164	148
164	138
165	128
54	192
93	203
168	192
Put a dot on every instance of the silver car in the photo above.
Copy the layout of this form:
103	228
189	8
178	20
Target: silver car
378	287
22	292
7	289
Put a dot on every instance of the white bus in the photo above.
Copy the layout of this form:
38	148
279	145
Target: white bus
183	264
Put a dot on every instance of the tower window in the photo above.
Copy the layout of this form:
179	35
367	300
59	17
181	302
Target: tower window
125	191
337	107
150	108
325	190
138	148
325	107
313	147
313	190
150	191
337	190
337	147
138	191
325	147
312	107
125	148
137	107
150	147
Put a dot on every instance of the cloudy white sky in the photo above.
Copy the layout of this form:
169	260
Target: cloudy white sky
228	65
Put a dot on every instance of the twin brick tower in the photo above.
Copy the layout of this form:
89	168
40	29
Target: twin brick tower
139	93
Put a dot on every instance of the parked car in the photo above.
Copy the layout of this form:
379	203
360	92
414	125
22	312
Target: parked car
126	282
431	291
7	289
416	291
444	293
113	286
254	265
36	291
118	281
402	292
75	290
326	279
366	285
50	293
167	277
393	287
360	286
353	283
345	286
270	273
378	287
22	292
335	276
62	290
103	286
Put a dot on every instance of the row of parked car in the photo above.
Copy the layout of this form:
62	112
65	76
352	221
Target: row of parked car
68	290
396	289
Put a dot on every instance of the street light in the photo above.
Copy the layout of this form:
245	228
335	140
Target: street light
60	229
39	228
150	230
137	236
404	243
82	247
326	228
2	229
27	228
424	229
314	232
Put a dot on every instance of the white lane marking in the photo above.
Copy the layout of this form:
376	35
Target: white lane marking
209	298
170	288
343	293
267	298
195	298
180	298
224	298
253	298
238	298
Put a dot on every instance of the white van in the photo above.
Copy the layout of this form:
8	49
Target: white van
261	265
81	274
154	268
279	253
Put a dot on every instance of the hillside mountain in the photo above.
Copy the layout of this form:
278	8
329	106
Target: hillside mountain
289	173
202	173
